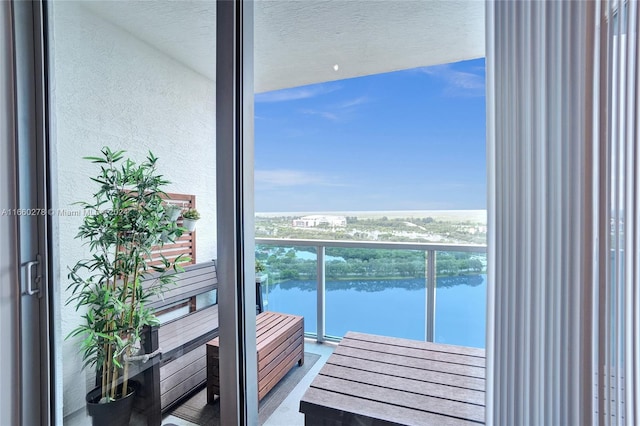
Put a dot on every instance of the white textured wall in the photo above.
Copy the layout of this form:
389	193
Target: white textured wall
111	88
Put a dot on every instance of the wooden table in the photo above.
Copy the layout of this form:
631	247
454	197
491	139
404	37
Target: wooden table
377	380
280	345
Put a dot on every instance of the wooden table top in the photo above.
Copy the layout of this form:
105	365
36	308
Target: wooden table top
399	381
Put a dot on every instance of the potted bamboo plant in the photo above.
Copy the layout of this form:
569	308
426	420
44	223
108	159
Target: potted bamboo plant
122	226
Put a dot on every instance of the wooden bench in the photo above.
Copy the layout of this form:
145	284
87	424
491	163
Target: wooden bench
280	345
378	380
180	369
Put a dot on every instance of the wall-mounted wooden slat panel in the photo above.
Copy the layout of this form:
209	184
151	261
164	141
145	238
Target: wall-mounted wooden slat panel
187	241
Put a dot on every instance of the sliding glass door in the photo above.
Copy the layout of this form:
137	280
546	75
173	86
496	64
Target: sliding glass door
148	200
127	186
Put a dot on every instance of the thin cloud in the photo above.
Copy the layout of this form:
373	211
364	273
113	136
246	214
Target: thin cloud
354	102
324	114
338	112
458	83
296	93
287	178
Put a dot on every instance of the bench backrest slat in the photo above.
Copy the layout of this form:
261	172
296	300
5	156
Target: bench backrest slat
196	279
181	331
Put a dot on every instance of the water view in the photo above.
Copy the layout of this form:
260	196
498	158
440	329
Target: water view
389	307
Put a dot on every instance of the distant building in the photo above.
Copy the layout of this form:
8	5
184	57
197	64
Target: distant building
315	220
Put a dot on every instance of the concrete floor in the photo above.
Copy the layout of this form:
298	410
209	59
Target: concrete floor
287	413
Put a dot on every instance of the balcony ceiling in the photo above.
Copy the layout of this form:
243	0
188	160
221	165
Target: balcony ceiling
299	42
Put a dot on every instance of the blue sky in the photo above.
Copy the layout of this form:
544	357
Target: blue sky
406	140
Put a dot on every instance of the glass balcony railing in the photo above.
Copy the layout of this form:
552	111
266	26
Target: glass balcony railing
461	298
420	291
291	285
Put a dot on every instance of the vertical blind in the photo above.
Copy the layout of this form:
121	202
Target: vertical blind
618	302
564	244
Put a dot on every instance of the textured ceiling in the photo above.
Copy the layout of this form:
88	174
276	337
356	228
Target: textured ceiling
299	42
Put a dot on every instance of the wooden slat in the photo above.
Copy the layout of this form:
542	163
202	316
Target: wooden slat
294	336
281	355
273	337
266	321
381	379
414	352
170	259
171	254
187	364
185	239
180	326
188	385
194	280
444	367
179	199
396	341
267	338
177	244
182	365
262	317
174	252
182	294
429	376
168	249
401	398
186	286
178	332
189	333
185	279
271	379
338	407
280	345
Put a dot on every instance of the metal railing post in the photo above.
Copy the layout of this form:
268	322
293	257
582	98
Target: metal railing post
430	317
320	289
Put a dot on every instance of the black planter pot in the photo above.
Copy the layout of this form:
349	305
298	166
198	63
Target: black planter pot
115	413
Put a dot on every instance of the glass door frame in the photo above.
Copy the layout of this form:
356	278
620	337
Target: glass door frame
235	208
31	216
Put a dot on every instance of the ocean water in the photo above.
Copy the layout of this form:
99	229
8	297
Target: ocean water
390	307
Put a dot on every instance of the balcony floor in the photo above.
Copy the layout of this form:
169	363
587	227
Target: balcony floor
287	413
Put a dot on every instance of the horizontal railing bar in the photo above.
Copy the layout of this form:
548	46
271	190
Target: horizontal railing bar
373	245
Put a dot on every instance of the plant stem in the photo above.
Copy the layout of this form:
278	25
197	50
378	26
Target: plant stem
107	365
133	295
104	374
114	381
125	382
